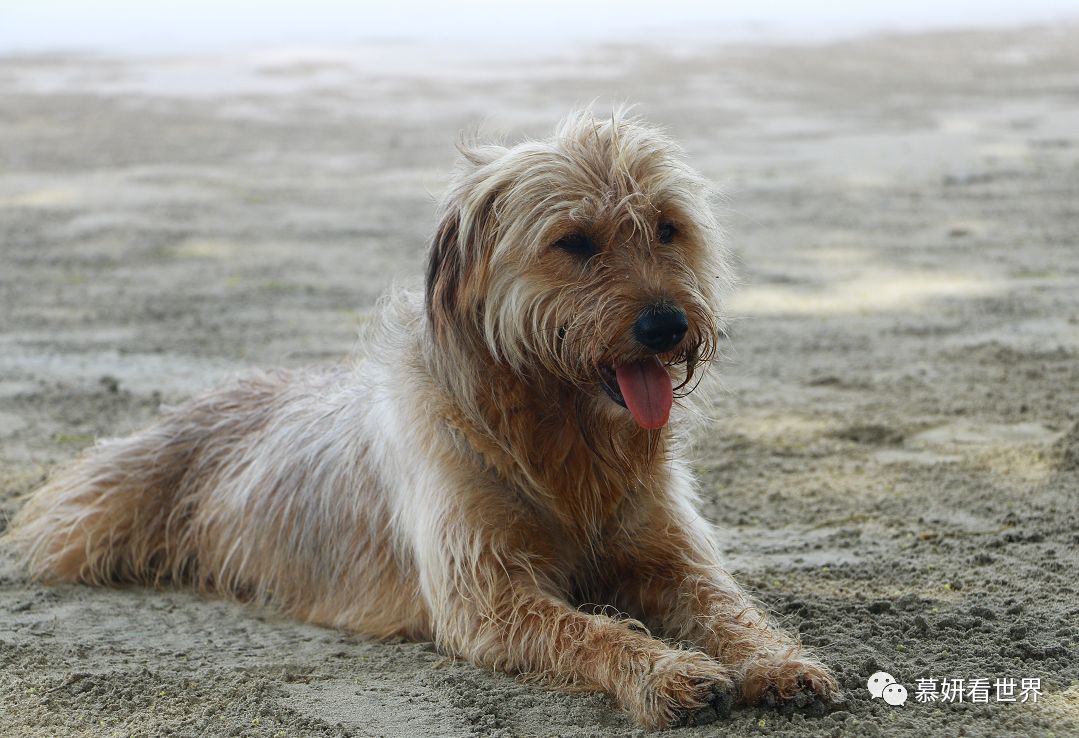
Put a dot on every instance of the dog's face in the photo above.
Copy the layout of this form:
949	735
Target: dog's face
592	257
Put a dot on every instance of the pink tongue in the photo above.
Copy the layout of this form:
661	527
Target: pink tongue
646	388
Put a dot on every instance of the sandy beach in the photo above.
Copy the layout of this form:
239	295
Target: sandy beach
893	465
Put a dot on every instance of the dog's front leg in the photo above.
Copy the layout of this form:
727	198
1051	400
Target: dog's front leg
670	575
703	605
500	616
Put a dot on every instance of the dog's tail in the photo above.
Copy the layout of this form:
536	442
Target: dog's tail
112	516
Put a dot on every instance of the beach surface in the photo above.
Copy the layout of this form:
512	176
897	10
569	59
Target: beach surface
893	463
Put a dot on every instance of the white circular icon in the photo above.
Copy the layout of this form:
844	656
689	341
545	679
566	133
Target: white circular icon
895	694
878	682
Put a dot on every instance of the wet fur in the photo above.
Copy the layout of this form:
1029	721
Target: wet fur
467	481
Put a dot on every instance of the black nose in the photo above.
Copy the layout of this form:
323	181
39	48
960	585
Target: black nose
661	328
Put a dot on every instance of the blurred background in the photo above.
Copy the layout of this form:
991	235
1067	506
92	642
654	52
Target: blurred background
188	192
206	25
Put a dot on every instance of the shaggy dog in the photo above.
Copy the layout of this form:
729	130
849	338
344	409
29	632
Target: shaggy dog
496	463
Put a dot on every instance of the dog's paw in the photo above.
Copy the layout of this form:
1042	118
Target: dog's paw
805	700
683	688
718	703
790	683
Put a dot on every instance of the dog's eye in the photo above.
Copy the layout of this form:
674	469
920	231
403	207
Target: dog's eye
577	244
666	232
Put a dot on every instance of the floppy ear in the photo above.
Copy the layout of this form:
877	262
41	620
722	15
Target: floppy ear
445	272
458	262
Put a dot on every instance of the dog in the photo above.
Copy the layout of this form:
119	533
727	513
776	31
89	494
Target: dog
498	471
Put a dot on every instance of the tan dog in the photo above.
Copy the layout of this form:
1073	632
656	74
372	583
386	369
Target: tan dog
498	457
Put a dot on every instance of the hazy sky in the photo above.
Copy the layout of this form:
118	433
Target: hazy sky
147	26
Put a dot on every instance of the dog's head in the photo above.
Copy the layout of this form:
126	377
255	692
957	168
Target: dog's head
591	257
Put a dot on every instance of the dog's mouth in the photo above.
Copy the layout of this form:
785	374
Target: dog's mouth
643	387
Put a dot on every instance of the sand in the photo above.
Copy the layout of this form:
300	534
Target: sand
894	464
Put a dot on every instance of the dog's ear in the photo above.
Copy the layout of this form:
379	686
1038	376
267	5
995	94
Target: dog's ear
459	258
458	264
445	270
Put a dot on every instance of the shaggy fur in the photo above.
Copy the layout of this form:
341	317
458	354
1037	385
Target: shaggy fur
469	480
